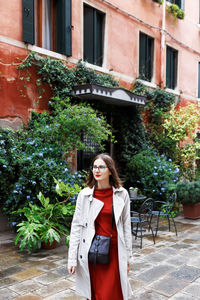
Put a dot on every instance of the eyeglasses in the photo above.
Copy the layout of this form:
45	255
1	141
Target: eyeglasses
100	168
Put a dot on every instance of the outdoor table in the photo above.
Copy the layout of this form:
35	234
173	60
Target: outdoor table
137	201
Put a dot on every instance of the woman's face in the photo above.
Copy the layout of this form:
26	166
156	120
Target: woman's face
100	171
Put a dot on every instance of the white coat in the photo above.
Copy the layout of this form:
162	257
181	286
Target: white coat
83	231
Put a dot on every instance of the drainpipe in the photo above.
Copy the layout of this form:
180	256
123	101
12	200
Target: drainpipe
162	47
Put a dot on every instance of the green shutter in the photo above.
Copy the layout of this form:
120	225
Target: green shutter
142	56
168	68
28	22
64	27
171	68
98	38
88	34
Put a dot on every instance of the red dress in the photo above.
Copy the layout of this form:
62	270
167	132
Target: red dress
105	280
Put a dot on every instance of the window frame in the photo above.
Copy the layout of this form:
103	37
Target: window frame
182	6
151	62
171	85
95	11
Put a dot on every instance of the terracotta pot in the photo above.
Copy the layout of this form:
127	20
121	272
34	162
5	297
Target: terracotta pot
191	211
47	245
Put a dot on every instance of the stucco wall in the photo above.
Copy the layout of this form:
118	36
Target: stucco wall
121	48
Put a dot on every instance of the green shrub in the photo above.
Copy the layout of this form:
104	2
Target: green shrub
188	192
153	174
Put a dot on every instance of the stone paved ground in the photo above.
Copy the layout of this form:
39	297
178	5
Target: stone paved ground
170	269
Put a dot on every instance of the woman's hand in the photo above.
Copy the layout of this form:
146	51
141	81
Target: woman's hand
71	270
128	267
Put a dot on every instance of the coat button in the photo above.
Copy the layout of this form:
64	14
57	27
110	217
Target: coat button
86	224
80	256
83	240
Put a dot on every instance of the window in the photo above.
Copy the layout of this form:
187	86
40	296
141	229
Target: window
93	35
180	3
146	57
199	81
171	68
47	24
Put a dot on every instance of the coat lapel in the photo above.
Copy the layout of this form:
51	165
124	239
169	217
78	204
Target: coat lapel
118	204
95	208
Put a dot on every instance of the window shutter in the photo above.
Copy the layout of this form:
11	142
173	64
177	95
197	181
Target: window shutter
142	55
98	38
88	34
168	68
64	27
28	24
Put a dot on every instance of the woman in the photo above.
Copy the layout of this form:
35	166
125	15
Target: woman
93	216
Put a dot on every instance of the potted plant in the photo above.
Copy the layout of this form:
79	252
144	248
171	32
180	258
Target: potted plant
133	191
176	11
46	222
188	194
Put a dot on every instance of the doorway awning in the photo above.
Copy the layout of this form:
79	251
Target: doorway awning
115	96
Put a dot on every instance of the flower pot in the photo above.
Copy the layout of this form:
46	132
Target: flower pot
133	193
191	211
47	245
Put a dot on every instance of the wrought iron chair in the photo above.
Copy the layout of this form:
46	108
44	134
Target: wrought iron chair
164	209
140	217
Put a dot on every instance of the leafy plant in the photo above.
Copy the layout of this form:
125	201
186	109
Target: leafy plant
153	174
188	192
47	221
180	127
176	11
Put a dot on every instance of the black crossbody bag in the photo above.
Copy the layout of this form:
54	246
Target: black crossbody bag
99	252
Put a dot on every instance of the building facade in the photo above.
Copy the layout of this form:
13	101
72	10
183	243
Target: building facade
131	40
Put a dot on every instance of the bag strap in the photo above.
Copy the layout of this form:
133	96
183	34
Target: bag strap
112	221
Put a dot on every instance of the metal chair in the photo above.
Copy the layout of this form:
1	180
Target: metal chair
141	216
164	209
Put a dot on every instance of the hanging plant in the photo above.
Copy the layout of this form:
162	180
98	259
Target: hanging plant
176	11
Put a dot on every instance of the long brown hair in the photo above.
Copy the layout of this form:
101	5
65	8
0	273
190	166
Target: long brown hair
114	177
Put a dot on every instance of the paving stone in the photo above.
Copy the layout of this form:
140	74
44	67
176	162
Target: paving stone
47	266
62	271
6	294
181	296
65	295
168	286
10	271
187	273
155	272
180	246
48	278
28	297
140	266
156	257
193	289
168	251
27	274
7	281
177	260
25	287
136	284
55	287
148	295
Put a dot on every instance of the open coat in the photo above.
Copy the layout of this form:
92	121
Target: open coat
83	231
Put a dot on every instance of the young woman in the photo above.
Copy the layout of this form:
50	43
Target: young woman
93	216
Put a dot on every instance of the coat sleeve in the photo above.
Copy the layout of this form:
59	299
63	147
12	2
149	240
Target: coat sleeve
75	233
127	227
